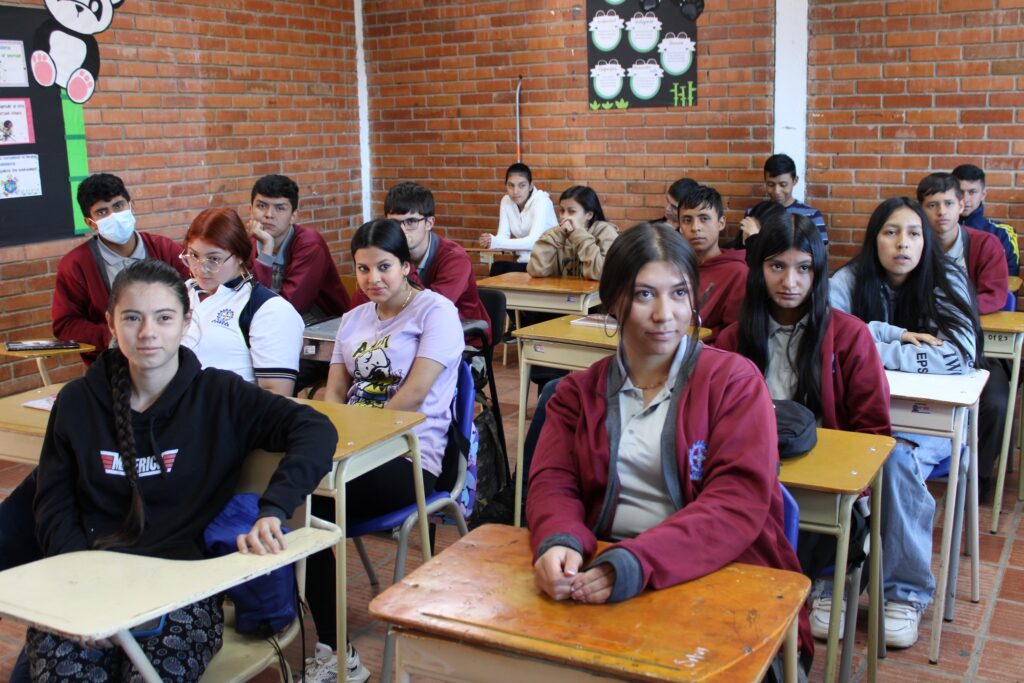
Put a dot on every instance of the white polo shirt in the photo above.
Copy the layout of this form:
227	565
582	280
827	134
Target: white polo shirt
275	333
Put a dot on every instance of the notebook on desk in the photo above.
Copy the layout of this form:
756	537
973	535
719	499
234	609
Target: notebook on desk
42	345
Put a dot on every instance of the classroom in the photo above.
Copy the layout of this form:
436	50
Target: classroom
196	100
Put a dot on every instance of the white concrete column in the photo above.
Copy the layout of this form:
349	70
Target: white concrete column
791	42
365	170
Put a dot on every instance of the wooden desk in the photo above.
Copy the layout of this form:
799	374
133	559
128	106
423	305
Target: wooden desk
41	355
22	429
826	483
318	340
1014	284
1004	337
97	594
942	405
473	614
367	438
544	294
560	345
487	253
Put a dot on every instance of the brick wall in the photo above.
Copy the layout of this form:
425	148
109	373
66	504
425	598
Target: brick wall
900	89
195	101
442	81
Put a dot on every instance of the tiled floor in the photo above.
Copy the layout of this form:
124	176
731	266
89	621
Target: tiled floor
984	643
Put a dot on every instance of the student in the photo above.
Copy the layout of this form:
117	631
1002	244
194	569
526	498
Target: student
401	350
723	272
142	403
972	186
822	358
917	306
598	468
524	215
779	180
673	195
85	273
577	247
439	264
979	254
750	224
237	323
292	260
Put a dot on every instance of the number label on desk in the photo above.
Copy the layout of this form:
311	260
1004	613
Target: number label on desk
999	343
538	348
571	299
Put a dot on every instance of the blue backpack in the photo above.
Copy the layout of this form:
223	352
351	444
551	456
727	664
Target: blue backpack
267	604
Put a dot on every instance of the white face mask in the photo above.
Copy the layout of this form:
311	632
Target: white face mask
117	227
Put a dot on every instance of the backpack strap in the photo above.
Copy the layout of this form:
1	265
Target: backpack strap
257	297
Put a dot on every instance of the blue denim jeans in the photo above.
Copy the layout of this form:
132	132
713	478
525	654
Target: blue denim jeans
907	513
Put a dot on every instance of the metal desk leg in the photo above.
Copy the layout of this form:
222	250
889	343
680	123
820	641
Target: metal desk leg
1004	450
41	364
790	660
340	562
838	584
875	579
134	652
524	390
421	496
947	537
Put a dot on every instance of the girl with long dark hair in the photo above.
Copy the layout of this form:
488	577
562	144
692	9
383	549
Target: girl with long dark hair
577	246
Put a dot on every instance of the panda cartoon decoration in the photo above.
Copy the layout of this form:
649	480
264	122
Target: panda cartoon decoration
66	53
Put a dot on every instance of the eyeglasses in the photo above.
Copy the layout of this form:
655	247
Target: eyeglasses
211	264
410	223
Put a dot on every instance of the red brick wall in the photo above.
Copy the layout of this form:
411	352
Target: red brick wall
195	101
442	81
900	89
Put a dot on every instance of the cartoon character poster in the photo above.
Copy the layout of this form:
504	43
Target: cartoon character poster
642	53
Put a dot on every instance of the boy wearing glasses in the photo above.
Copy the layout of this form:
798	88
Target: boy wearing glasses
85	273
442	265
292	260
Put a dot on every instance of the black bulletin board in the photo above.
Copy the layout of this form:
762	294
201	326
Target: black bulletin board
50	215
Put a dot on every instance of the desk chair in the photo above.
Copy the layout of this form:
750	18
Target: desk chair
494	303
455	492
95	594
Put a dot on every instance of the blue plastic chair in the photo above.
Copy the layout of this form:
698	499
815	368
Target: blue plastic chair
791	516
455	504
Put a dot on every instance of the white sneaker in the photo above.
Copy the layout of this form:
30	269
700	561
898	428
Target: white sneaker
901	622
821	616
355	672
322	667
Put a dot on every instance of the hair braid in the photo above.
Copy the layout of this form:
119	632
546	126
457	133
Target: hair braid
120	383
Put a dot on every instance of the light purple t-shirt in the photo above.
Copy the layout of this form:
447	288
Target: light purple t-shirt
378	355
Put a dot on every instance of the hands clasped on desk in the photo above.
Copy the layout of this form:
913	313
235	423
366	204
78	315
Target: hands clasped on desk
557	574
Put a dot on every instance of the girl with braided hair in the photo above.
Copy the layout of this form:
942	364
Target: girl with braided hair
144	451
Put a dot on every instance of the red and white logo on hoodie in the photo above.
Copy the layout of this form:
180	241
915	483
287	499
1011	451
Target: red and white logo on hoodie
147	467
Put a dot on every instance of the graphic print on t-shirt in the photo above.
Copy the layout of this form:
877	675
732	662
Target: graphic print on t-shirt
146	467
375	380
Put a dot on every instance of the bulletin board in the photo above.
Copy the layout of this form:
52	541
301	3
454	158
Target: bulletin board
641	57
42	142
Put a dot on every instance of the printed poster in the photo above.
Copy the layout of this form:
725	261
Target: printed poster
641	57
16	122
13	69
19	176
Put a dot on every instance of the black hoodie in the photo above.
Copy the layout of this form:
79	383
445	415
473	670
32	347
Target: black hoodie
200	430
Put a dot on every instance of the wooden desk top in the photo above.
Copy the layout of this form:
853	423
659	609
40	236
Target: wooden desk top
554	285
94	594
480	590
841	462
1010	322
562	330
45	353
360	427
1014	283
954	390
14	417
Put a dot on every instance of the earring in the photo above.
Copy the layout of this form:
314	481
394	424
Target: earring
615	328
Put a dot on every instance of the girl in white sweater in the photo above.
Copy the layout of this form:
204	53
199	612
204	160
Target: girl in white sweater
525	214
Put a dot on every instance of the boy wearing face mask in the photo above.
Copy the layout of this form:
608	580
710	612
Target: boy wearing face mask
85	273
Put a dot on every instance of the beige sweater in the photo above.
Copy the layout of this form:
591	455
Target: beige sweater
579	254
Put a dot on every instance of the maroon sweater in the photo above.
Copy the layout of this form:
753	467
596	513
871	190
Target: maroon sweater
854	391
81	291
732	509
310	276
986	269
723	280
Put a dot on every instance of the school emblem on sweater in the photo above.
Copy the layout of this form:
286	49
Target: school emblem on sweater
146	467
698	451
224	317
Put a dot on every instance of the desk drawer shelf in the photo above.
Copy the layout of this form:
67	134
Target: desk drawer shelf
921	415
999	344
